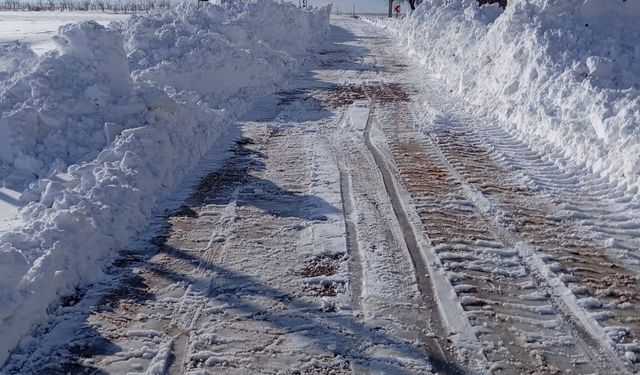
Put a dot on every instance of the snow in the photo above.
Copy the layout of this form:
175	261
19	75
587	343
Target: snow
448	217
9	206
112	120
36	28
562	75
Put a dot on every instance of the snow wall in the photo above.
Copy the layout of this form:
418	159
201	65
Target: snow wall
562	75
114	119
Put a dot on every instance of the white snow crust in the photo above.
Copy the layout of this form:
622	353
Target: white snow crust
112	120
562	75
37	28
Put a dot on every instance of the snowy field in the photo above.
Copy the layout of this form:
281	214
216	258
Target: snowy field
37	28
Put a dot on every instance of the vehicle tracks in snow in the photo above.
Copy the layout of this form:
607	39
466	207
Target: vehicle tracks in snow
541	254
513	318
525	321
604	287
581	229
440	355
385	284
353	247
346	234
389	282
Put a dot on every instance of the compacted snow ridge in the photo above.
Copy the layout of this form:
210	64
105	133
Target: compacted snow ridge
562	76
213	193
112	119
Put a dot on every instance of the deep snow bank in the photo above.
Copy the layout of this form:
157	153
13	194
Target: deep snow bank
129	109
559	73
54	112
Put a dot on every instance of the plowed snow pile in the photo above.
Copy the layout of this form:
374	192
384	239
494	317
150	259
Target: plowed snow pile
563	75
114	119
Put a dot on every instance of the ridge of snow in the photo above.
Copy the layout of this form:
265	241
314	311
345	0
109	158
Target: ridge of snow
130	109
562	75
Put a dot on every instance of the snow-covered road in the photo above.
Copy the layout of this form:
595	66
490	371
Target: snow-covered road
344	233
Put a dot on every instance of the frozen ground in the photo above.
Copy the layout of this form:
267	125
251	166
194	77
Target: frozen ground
37	28
364	218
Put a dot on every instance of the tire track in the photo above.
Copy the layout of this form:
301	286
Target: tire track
353	249
522	329
604	286
440	357
584	228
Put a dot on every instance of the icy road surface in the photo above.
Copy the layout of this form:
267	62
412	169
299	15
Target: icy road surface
342	235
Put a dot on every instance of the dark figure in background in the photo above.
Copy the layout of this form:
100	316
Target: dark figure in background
412	4
502	3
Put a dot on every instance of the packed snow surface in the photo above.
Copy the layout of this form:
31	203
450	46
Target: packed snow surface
562	75
114	118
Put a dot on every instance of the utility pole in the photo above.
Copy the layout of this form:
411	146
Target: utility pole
390	8
354	10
